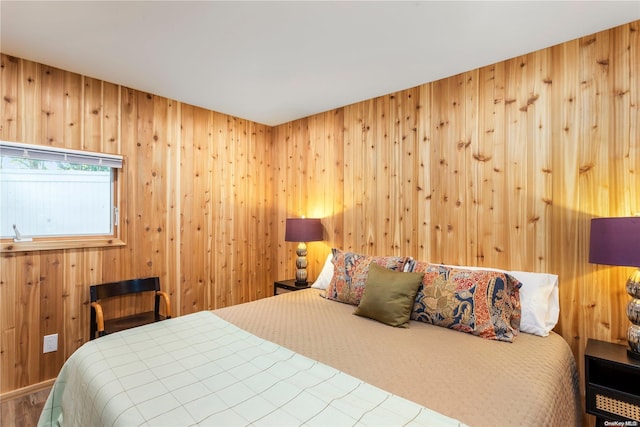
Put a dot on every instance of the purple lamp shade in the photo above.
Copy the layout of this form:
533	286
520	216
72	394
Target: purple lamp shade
615	241
303	230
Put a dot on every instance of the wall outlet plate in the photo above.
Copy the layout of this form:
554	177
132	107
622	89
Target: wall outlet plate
50	343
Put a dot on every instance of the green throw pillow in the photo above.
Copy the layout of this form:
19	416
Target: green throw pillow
389	295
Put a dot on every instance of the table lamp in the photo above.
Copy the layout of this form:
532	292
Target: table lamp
616	241
302	230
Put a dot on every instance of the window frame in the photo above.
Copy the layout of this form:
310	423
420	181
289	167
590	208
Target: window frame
80	241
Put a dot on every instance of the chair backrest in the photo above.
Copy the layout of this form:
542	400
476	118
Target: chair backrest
132	286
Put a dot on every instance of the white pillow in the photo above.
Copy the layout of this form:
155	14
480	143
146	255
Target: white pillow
324	278
539	300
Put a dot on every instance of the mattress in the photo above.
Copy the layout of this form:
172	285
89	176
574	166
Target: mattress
530	382
202	370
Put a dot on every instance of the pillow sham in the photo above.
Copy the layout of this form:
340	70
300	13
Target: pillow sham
539	298
484	303
540	301
389	296
324	278
350	274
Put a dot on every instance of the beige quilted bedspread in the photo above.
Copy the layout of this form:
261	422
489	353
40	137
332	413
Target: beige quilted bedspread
530	382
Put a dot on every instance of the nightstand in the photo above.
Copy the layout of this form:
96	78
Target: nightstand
287	286
612	381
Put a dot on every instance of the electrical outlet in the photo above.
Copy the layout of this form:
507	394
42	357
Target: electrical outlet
50	343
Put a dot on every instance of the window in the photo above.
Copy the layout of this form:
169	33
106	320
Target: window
51	193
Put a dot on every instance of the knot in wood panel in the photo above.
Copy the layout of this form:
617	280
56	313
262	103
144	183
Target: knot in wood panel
481	157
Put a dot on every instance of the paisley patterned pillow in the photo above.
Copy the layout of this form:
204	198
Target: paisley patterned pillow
480	302
351	271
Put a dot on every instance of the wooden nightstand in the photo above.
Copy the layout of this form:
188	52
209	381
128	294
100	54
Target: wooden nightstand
287	286
612	381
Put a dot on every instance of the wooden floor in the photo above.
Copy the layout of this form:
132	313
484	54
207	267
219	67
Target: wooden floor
23	411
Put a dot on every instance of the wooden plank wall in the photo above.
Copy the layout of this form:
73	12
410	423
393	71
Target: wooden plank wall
196	210
503	166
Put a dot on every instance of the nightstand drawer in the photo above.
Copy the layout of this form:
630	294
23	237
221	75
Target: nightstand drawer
606	402
612	382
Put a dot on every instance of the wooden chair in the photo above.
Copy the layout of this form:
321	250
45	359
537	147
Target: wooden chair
102	326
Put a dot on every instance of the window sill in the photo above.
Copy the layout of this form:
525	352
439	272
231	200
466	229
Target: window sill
8	245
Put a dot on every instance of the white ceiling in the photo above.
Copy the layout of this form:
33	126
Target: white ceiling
273	62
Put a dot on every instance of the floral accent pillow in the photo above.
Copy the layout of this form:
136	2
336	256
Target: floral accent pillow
351	271
480	302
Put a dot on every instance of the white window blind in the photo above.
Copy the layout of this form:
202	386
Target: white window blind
54	192
46	153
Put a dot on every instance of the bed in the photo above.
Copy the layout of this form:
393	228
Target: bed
304	359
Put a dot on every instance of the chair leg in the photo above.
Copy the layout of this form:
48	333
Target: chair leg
92	325
156	310
96	311
167	303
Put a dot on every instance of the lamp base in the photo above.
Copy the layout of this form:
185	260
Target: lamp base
632	354
301	284
633	313
301	265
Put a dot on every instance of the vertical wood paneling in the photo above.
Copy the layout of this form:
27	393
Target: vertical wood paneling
325	184
334	197
75	297
490	169
171	262
624	176
125	258
351	156
234	223
408	137
595	104
382	189
52	106
8	318
634	115
200	225
566	219
221	267
259	220
110	118
423	175
516	191
156	206
469	181
92	115
194	153
51	308
241	218
29	105
450	166
143	209
9	130
540	175
27	319
72	110
9	71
